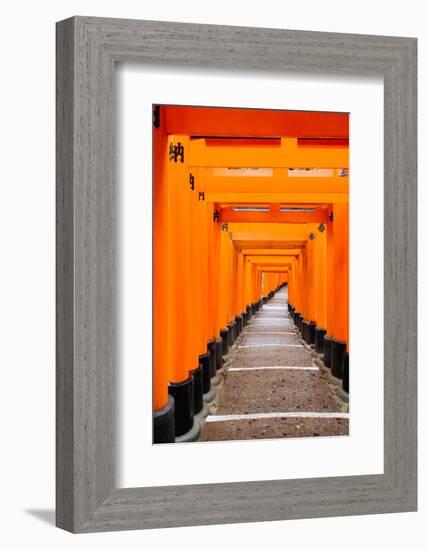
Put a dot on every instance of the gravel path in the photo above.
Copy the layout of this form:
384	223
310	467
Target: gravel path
270	371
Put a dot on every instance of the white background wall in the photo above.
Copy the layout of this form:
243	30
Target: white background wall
27	271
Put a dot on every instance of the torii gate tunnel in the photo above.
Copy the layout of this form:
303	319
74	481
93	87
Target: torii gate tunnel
245	202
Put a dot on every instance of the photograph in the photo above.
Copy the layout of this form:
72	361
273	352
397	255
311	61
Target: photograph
250	274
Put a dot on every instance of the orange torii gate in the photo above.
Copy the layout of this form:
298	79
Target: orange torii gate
210	251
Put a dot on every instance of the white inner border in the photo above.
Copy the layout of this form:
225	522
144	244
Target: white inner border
139	462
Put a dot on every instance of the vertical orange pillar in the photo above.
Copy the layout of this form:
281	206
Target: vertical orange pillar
215	254
228	277
330	276
247	282
312	278
254	283
321	288
237	286
196	333
341	263
232	279
305	282
207	345
331	283
291	284
178	284
240	280
299	283
231	290
208	297
216	260
202	288
223	295
163	404
300	288
321	278
341	291
195	272
211	271
311	314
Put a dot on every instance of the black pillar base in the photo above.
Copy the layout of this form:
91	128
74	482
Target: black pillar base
198	389
235	330
303	329
182	392
164	423
310	333
224	334
327	351
211	346
345	383
319	339
239	326
219	353
204	360
231	339
337	355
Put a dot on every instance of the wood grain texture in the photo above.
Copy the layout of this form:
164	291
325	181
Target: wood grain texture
87	49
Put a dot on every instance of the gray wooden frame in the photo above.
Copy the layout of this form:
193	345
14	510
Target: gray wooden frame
87	50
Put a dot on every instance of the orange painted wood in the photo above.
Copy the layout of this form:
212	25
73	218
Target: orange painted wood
274	184
321	279
212	268
201	290
193	293
341	271
228	215
160	269
289	155
179	322
224	290
216	261
330	278
209	121
218	266
311	280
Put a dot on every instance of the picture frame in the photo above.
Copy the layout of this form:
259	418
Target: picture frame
87	50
